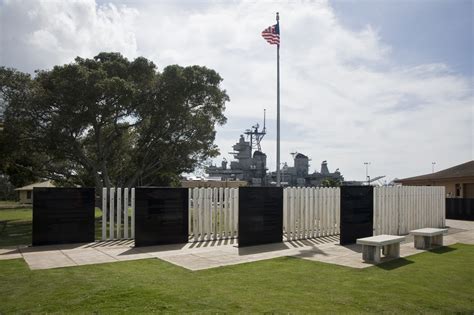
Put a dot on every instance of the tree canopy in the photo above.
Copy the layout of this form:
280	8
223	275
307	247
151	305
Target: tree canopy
331	182
109	121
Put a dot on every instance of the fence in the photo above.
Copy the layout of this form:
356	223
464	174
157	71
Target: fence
307	212
397	210
310	212
213	213
118	209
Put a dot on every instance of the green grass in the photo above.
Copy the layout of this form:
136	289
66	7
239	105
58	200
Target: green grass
9	203
16	226
440	281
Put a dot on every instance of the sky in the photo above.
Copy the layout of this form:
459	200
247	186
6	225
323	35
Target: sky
385	82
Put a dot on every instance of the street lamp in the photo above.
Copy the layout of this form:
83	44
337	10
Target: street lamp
367	172
432	166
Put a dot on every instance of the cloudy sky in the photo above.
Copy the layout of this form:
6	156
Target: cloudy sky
389	82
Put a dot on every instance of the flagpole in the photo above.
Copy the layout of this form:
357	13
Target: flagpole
278	179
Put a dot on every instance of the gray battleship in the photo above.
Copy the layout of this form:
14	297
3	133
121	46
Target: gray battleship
250	165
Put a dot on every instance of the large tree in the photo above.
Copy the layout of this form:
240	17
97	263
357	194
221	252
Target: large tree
109	121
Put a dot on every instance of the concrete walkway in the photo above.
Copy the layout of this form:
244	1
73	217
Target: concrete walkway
205	255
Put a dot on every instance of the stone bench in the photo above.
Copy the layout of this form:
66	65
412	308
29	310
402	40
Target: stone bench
371	247
428	237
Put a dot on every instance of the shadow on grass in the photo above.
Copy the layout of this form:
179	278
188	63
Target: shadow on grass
442	250
400	262
394	264
19	232
15	233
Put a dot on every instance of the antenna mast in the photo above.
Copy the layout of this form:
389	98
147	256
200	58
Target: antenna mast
264	114
254	134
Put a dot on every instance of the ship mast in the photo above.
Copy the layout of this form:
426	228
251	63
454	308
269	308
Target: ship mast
255	136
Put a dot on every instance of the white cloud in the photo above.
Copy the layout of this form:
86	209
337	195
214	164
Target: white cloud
344	98
40	34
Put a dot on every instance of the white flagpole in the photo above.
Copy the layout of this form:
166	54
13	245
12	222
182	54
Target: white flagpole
278	179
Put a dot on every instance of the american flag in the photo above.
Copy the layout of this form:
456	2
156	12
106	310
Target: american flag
272	34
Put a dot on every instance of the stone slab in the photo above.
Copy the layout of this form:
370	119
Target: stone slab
125	253
429	232
460	224
380	240
87	256
7	253
48	260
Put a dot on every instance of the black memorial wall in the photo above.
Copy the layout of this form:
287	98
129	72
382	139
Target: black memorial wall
460	208
260	215
63	215
357	213
161	216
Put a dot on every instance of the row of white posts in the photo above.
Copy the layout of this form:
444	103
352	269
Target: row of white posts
398	210
213	213
117	211
307	212
310	212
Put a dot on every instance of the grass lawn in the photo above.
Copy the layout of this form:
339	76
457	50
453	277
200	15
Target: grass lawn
439	281
12	204
15	227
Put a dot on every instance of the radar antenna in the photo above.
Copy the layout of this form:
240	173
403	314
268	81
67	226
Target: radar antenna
255	136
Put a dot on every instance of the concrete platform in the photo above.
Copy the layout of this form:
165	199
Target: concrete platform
205	255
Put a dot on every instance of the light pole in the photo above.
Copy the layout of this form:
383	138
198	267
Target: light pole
282	172
367	172
432	166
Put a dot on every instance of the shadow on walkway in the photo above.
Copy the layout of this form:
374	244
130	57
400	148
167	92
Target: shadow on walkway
212	243
109	243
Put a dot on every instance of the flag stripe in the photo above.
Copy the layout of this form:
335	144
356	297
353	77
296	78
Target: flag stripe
272	34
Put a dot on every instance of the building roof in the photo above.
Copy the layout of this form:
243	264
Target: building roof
47	183
458	171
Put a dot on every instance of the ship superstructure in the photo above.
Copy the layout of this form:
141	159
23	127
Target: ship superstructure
249	165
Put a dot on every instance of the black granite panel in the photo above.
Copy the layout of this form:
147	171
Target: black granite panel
161	216
460	209
357	213
260	215
63	215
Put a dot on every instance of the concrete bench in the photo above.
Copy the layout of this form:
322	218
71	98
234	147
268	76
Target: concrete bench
428	237
371	247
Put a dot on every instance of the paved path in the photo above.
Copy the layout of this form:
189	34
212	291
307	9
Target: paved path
205	255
